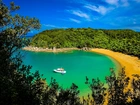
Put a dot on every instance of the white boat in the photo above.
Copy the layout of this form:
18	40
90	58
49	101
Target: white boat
59	70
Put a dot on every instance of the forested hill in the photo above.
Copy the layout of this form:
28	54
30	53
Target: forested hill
126	41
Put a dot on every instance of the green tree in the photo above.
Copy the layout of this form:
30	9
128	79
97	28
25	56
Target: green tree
18	86
51	92
116	88
69	96
98	91
136	89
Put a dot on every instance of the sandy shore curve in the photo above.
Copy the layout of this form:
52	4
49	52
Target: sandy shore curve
131	64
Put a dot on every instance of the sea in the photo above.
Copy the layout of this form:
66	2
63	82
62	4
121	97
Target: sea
77	64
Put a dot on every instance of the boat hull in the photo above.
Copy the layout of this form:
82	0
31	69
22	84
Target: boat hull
63	72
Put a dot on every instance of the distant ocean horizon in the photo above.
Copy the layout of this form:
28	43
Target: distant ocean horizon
78	65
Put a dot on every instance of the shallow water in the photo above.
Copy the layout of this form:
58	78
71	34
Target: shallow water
78	65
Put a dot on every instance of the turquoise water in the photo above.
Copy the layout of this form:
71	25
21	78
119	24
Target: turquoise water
78	65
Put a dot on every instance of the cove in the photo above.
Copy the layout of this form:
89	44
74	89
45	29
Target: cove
78	65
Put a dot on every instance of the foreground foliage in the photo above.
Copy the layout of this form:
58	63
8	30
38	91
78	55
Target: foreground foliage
18	86
16	81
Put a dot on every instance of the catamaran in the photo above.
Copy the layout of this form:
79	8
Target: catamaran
59	70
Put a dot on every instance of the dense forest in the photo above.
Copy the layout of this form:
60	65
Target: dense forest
125	41
19	86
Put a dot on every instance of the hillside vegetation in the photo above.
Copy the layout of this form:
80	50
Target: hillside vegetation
125	41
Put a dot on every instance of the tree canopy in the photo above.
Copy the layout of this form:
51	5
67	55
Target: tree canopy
16	80
125	41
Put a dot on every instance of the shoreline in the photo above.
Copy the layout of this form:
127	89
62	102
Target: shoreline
131	64
54	50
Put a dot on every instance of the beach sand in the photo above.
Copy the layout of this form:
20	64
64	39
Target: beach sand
131	64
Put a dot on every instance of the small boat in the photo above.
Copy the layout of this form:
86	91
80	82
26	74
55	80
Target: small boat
59	70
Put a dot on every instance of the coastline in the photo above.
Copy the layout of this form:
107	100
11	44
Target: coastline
131	64
54	50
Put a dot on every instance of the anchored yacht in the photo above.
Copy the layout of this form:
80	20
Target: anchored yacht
59	70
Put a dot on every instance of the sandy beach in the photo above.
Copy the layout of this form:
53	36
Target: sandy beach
131	64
